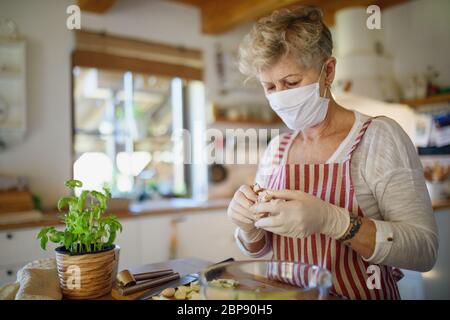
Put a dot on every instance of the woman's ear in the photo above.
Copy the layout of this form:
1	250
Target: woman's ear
330	70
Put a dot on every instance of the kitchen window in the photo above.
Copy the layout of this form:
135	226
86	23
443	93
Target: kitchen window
127	114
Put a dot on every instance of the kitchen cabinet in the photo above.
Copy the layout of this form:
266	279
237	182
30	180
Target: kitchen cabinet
129	242
144	240
17	248
208	236
20	246
8	273
155	238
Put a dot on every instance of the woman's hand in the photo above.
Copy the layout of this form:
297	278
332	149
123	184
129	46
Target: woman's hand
301	215
242	216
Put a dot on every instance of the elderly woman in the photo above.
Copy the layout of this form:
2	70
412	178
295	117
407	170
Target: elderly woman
348	191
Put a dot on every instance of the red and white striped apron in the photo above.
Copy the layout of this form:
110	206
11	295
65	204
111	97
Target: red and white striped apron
331	182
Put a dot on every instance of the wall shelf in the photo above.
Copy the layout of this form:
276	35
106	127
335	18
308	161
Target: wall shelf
428	100
441	204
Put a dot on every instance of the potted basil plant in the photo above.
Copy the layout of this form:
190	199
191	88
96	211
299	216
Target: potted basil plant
85	258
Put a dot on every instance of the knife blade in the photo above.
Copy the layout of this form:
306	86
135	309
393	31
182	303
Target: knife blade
185	280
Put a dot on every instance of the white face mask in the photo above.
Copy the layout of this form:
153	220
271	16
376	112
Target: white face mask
300	108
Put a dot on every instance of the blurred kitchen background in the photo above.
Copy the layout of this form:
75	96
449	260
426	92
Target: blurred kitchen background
105	104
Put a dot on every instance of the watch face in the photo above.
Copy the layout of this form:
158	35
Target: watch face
3	110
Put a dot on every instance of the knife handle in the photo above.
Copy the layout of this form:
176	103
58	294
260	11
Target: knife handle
151	293
152	274
147	284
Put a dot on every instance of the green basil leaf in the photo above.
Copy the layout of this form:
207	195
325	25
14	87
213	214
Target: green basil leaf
82	200
112	237
67	240
107	191
63	202
72	184
43	242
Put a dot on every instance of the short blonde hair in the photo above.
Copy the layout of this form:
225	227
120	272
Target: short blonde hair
299	32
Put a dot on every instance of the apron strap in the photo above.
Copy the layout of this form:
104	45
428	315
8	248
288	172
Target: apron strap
281	148
359	137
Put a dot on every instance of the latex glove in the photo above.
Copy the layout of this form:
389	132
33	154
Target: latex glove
301	215
242	216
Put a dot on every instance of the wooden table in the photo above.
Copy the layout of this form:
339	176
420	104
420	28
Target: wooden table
182	266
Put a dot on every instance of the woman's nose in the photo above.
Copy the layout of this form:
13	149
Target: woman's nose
280	87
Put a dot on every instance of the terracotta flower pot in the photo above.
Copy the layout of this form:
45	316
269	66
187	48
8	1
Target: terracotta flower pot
85	276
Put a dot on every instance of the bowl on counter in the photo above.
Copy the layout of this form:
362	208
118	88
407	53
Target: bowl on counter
265	280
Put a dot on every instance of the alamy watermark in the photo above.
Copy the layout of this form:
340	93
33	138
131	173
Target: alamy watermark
228	146
73	21
374	19
74	277
374	279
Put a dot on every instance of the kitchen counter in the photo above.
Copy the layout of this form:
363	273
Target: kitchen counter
146	208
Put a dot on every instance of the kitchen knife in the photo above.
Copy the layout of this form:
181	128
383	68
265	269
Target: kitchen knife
185	280
124	291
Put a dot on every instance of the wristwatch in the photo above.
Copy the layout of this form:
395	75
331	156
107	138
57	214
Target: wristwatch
355	224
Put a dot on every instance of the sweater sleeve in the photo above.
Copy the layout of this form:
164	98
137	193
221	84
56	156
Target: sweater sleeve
406	235
262	177
264	250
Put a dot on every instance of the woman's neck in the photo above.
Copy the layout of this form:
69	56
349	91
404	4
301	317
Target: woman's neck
330	125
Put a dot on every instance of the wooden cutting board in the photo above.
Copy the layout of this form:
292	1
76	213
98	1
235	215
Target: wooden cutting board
182	266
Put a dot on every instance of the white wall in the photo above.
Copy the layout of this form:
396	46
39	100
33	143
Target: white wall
44	156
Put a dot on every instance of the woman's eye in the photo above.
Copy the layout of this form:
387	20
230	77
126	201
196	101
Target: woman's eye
270	89
291	84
